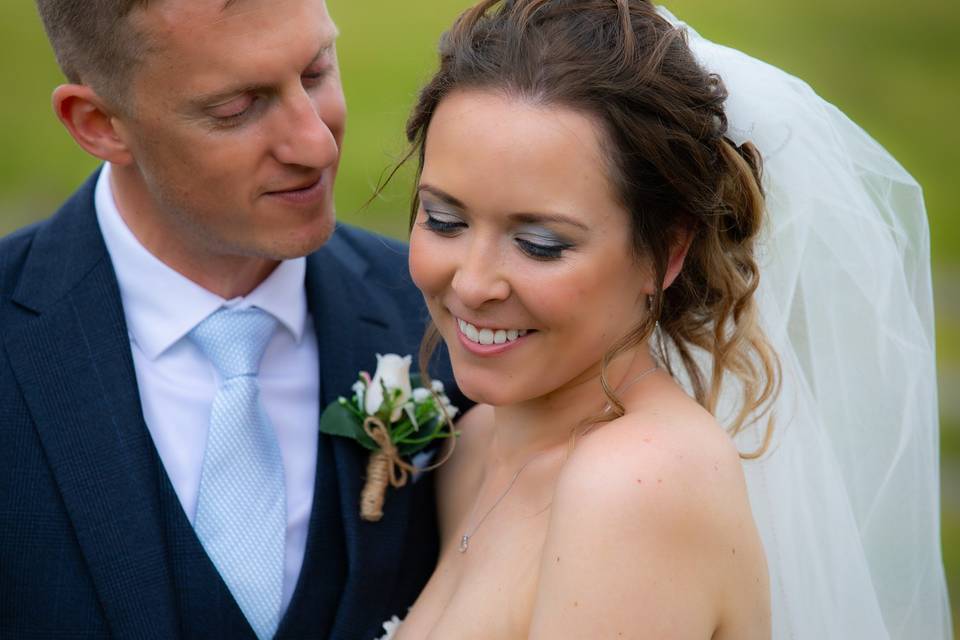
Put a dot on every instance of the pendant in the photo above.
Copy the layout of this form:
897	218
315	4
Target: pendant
464	543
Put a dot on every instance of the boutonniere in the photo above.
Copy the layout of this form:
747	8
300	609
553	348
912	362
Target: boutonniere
394	417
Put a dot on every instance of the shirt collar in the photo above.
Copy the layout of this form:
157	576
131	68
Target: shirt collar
162	306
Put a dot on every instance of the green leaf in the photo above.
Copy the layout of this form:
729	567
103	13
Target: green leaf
426	411
338	420
433	430
345	420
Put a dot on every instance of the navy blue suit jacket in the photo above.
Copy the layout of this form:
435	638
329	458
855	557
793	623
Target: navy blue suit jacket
93	541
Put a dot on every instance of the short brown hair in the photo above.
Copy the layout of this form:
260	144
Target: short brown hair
95	42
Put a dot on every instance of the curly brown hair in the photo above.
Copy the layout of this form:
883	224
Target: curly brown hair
674	170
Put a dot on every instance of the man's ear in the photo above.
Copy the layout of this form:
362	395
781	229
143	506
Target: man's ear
90	122
678	253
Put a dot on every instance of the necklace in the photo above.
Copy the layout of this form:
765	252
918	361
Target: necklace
465	538
623	387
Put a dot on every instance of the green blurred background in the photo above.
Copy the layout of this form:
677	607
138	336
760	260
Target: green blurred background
894	67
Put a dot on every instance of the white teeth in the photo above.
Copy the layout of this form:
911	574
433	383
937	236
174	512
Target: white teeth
489	336
472	333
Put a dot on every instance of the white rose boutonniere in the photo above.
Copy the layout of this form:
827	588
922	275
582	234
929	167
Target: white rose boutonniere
394	417
392	376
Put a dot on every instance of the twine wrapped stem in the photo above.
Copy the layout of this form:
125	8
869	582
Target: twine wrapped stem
385	467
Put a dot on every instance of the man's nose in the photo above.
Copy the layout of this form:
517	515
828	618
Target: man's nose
479	276
303	137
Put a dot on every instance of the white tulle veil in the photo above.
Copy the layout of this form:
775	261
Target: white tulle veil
847	499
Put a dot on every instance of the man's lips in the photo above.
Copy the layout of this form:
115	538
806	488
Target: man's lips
305	192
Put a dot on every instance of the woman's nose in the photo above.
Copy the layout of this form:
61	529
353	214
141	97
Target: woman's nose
479	277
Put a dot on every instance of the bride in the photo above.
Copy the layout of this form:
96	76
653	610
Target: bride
589	229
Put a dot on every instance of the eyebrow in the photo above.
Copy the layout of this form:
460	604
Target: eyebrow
527	217
225	94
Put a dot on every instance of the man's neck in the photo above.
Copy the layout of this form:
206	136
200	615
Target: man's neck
171	241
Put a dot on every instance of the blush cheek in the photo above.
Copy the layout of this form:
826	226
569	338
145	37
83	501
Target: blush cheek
426	263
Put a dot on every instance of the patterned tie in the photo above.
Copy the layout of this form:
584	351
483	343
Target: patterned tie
241	508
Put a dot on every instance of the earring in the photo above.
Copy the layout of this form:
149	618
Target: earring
650	310
661	344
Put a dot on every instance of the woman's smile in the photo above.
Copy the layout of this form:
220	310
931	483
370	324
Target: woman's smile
488	336
489	341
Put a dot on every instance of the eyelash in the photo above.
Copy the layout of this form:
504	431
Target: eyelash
232	120
316	76
440	226
533	249
226	122
542	251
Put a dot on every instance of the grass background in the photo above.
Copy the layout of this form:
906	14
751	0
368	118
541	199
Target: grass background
892	66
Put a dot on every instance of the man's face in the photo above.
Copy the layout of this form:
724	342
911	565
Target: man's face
235	128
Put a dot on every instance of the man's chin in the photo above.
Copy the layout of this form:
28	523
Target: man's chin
303	242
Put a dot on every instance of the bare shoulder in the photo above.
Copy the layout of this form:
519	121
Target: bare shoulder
653	505
683	457
671	480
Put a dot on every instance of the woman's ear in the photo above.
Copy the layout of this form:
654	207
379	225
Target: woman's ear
90	122
683	238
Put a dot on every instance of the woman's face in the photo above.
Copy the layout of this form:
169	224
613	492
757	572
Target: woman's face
520	247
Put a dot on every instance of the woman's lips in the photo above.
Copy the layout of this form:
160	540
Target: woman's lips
498	340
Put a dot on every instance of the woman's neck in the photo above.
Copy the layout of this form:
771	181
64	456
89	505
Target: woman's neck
524	430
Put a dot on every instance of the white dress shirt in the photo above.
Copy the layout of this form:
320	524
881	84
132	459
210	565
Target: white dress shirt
178	383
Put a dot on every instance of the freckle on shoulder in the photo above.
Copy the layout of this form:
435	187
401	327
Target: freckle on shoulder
681	433
646	451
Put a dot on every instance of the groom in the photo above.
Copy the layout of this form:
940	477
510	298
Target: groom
169	338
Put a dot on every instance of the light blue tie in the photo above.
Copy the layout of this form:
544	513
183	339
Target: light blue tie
241	509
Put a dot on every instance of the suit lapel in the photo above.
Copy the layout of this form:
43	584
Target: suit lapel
351	329
70	352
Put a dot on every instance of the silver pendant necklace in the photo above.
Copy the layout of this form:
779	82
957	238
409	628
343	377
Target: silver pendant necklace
465	538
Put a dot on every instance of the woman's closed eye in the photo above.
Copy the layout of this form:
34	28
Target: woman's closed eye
539	244
443	223
542	246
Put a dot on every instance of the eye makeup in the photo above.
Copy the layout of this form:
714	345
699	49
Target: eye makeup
541	243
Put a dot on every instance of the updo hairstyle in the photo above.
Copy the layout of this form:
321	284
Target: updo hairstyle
674	170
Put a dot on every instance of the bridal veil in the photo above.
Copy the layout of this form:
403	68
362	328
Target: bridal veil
847	498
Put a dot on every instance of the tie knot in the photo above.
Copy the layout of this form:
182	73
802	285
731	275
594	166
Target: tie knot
234	340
